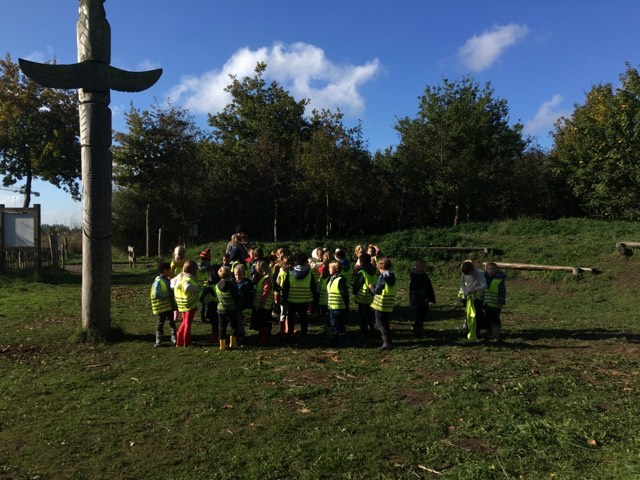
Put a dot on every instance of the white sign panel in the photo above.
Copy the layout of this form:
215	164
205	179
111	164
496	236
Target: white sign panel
18	230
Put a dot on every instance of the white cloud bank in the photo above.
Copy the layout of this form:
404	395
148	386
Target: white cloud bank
300	68
480	52
546	117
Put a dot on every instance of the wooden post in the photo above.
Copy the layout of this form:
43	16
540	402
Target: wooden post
132	257
38	238
53	245
2	251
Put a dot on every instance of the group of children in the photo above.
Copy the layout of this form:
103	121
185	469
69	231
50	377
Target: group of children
291	288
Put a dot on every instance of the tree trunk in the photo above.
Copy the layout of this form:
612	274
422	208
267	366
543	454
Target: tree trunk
327	225
27	189
146	222
275	220
456	218
159	243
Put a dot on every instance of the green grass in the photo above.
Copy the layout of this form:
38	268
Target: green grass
558	399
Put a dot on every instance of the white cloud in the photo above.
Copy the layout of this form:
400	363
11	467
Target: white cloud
146	65
546	117
300	68
42	57
480	52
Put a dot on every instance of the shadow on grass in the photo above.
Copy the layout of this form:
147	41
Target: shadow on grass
591	334
119	277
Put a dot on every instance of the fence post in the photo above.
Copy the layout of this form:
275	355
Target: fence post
2	251
132	257
53	245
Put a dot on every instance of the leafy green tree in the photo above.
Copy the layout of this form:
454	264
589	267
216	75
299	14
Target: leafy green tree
39	133
455	158
333	172
597	150
258	138
160	159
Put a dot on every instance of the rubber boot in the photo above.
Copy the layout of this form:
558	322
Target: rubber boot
223	344
174	340
233	342
386	344
158	339
342	340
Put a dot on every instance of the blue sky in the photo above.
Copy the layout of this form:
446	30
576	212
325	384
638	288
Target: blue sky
372	59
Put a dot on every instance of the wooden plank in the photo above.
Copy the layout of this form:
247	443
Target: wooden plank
530	266
485	250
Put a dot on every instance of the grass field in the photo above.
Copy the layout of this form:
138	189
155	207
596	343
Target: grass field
558	399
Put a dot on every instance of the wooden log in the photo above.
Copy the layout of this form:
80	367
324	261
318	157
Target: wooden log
624	248
529	266
485	250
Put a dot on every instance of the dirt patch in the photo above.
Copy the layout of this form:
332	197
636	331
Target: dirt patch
416	397
23	353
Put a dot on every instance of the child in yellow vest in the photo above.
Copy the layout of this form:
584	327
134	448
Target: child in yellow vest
262	301
162	302
384	296
338	304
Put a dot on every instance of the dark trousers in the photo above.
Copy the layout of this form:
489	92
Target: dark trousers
300	310
211	315
421	315
492	320
337	320
224	319
323	315
367	319
382	322
165	317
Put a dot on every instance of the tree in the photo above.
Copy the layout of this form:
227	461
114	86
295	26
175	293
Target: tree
260	133
39	133
597	150
333	167
159	158
459	147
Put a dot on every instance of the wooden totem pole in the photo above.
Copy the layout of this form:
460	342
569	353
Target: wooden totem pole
94	77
